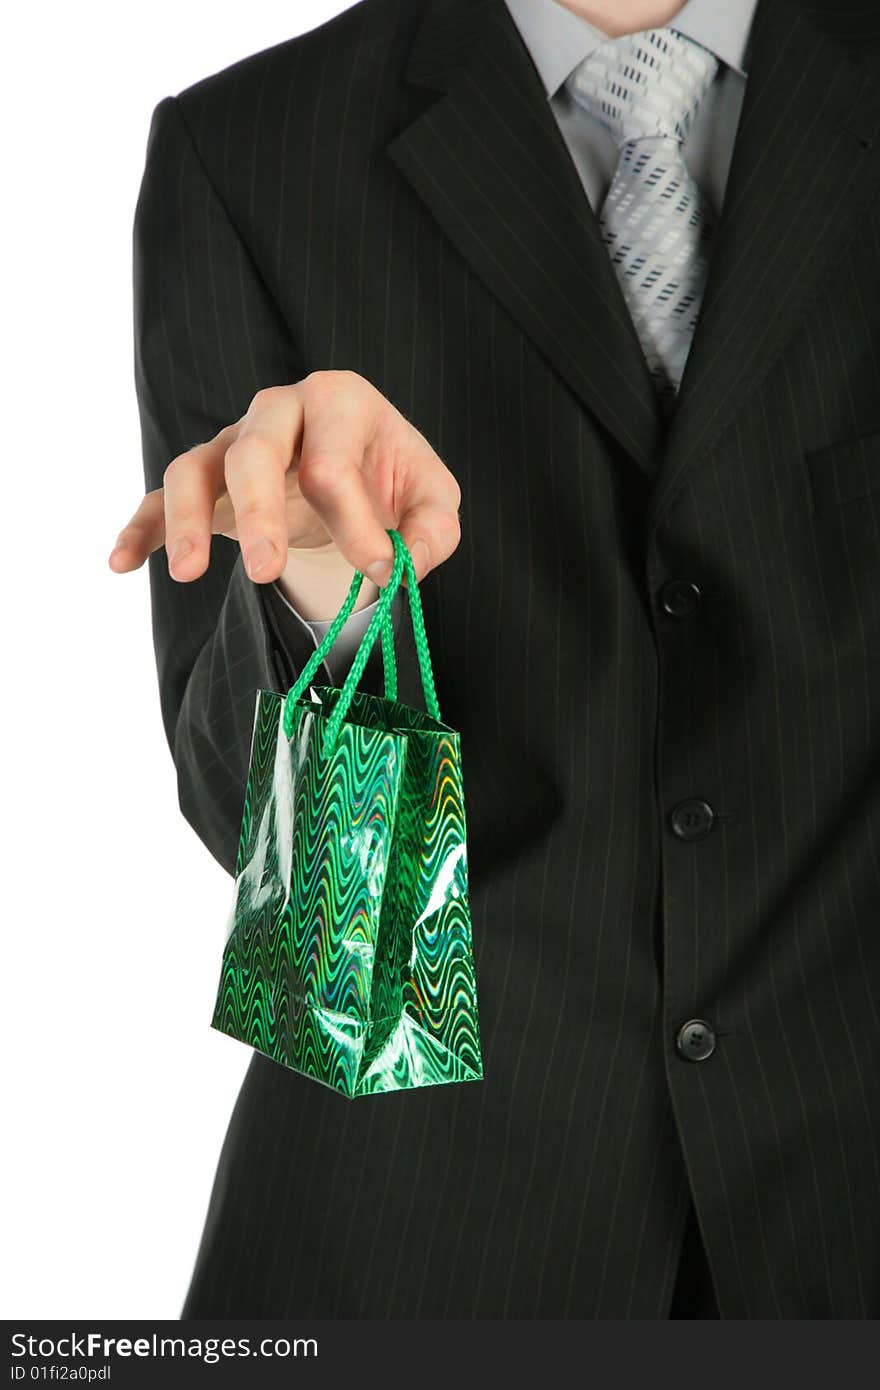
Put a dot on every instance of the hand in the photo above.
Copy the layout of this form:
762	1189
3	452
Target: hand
326	464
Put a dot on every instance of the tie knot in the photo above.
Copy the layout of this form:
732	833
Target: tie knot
645	84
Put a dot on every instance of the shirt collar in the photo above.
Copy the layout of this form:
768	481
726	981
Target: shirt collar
558	39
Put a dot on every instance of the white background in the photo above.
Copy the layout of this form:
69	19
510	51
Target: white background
117	1090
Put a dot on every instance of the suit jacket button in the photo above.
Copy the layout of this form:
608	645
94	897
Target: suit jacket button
695	1040
680	597
692	820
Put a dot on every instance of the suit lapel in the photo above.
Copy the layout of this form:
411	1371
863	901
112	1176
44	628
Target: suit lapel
488	159
806	164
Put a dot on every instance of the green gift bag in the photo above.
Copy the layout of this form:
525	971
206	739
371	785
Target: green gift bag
348	955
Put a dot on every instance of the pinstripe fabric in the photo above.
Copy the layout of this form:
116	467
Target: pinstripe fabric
391	194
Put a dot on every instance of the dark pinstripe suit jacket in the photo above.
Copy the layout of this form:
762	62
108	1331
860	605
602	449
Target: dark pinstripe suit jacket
391	194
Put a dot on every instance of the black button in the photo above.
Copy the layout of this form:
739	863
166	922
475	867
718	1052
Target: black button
695	1040
691	820
680	597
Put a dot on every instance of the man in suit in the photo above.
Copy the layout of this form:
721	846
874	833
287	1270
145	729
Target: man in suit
613	360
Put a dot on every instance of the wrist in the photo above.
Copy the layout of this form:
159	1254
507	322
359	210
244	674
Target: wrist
316	583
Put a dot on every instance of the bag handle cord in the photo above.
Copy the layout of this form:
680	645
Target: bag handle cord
380	622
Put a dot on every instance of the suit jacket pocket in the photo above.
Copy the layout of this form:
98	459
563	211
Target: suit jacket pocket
844	471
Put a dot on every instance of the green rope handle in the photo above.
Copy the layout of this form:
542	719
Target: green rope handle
326	643
380	622
389	663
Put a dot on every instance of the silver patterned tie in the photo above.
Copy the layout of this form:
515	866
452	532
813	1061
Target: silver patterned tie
655	222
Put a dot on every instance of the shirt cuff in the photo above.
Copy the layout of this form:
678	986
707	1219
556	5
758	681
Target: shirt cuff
348	639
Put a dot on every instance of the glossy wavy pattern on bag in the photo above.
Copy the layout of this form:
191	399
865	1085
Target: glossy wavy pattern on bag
349	953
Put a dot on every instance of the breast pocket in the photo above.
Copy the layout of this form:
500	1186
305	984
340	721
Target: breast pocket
844	472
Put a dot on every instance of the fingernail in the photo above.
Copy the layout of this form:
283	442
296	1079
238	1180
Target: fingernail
380	572
419	552
179	550
258	555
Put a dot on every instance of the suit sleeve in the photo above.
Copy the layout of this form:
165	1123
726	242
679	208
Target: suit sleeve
207	336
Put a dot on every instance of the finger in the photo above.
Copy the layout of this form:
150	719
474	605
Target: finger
143	534
430	533
428	515
331	479
192	483
146	531
256	466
